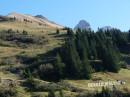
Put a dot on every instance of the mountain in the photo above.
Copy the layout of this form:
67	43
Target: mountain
83	25
34	19
48	22
41	16
105	28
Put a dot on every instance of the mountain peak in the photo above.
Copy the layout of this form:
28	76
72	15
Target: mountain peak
41	16
83	25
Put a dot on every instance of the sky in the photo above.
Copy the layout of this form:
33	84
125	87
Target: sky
98	13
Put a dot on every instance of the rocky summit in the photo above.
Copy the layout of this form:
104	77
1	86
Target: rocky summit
83	25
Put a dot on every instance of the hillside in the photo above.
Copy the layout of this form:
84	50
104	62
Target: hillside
74	87
33	19
33	26
44	37
29	23
38	56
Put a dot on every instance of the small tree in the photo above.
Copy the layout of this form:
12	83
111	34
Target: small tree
51	93
61	93
86	68
129	36
57	31
70	32
25	32
59	66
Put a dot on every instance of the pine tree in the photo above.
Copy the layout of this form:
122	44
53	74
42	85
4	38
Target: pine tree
86	68
86	43
70	32
73	63
129	36
51	93
113	60
109	56
61	93
59	66
93	49
57	31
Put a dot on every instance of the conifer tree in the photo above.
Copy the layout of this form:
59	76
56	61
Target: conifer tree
113	59
70	32
73	62
129	36
86	68
51	93
93	49
59	66
109	57
61	93
57	31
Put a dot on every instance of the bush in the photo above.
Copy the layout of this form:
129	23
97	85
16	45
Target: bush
57	31
8	92
105	93
8	61
39	86
24	37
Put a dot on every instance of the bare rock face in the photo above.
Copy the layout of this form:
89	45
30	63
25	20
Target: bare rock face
83	25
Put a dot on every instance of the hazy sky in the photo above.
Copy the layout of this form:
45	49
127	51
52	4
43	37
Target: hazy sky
98	13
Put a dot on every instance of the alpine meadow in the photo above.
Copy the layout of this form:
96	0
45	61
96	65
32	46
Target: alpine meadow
42	58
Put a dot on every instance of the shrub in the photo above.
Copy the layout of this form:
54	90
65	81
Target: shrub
8	92
39	86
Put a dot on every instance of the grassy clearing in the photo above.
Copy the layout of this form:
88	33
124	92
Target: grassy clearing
108	76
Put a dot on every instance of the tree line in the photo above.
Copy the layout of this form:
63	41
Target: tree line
83	53
77	56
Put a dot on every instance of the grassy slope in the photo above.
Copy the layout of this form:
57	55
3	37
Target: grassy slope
80	84
108	76
35	29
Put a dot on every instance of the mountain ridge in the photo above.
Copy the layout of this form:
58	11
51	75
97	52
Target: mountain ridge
41	21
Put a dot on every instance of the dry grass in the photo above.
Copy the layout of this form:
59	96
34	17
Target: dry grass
53	42
8	75
30	27
123	75
33	29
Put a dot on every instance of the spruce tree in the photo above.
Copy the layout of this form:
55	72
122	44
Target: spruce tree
86	67
59	66
113	60
51	93
61	93
73	63
57	31
109	56
70	32
129	36
93	49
